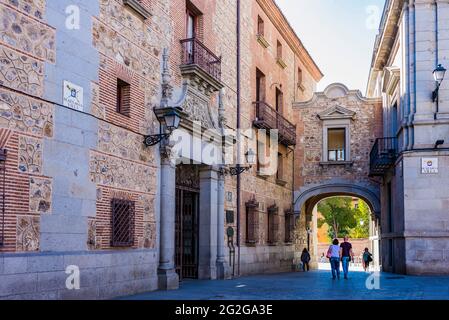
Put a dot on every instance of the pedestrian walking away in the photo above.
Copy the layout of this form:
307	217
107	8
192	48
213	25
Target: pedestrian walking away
367	258
334	255
346	255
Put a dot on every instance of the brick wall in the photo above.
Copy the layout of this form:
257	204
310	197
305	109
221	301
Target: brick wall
25	121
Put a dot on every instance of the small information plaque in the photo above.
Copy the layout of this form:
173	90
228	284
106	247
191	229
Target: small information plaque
429	166
73	96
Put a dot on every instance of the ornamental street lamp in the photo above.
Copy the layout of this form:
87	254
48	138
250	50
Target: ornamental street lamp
169	118
238	170
438	75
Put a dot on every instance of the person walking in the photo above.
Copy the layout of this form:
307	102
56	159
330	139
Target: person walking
367	258
305	259
334	255
346	255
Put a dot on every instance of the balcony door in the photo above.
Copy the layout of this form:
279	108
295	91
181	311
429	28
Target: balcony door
279	101
190	33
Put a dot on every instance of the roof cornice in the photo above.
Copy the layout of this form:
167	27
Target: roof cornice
281	23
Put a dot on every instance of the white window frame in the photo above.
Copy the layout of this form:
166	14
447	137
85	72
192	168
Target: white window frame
337	124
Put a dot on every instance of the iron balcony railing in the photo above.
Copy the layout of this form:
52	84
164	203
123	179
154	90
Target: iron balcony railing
196	53
383	156
269	119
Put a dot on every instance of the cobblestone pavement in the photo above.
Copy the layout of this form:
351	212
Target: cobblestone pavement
316	285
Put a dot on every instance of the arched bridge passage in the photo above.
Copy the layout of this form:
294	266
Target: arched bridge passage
310	197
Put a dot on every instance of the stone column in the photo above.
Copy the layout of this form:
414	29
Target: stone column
168	278
207	262
222	266
314	247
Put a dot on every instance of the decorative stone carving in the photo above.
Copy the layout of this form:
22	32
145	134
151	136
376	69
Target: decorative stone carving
28	35
26	115
188	176
21	72
27	236
197	109
119	173
123	143
40	195
30	155
35	8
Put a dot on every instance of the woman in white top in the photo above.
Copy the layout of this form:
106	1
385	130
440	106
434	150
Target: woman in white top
334	255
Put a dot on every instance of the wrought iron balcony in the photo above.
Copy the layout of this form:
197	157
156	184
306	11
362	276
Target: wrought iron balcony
196	54
269	119
383	156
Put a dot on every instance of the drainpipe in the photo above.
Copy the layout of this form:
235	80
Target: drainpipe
437	58
412	128
239	181
407	73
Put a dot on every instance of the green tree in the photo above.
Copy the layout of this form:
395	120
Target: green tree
338	214
362	216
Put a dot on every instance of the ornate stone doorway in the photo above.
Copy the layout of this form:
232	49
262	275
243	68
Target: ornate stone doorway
187	222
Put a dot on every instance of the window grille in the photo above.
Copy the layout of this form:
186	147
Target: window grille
122	223
289	226
252	222
273	225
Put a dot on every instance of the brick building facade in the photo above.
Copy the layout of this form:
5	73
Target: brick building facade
337	128
79	83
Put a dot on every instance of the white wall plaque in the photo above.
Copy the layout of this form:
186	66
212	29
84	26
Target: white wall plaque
73	96
429	165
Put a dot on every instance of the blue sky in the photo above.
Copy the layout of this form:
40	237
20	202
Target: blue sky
339	34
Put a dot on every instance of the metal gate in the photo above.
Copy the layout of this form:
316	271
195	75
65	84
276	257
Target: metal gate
187	245
187	221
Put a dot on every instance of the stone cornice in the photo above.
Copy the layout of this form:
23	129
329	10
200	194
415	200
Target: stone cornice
385	40
281	23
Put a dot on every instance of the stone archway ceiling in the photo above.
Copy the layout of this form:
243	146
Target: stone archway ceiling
310	197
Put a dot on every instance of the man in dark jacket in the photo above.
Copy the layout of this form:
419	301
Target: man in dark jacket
305	259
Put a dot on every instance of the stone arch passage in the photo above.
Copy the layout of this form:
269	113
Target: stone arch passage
306	207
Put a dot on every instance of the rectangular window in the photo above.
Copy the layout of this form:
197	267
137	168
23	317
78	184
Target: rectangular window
251	224
2	195
122	223
300	77
123	98
279	50
280	174
273	225
260	86
336	144
289	226
260	27
279	101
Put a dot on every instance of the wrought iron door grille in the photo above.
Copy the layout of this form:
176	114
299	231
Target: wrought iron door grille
2	194
122	223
